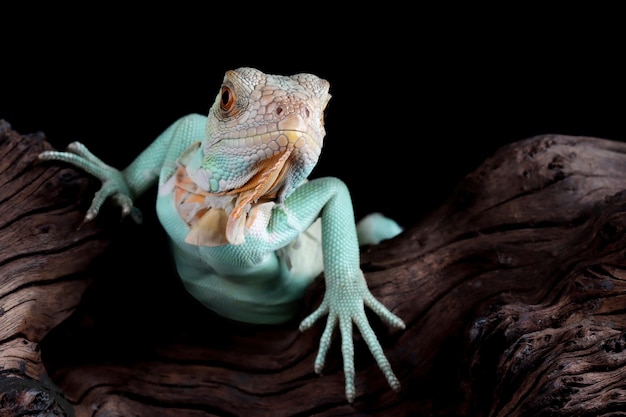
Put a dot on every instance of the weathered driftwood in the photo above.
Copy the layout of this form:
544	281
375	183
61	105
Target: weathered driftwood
43	264
513	291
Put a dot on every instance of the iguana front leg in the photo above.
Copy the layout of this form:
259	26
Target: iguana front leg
347	293
122	187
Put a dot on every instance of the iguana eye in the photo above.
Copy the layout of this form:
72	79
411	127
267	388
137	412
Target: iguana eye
227	99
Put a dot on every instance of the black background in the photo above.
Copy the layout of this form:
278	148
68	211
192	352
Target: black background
420	96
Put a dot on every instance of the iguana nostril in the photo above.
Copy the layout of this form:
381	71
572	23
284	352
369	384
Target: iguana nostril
279	110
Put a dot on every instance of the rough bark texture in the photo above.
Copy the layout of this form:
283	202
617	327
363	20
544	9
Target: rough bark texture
43	267
513	291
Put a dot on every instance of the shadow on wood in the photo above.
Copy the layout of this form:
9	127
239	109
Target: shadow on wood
513	292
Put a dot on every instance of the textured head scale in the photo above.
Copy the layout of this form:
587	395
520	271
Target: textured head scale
264	125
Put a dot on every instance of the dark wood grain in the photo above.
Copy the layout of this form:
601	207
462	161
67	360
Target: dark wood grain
43	267
513	291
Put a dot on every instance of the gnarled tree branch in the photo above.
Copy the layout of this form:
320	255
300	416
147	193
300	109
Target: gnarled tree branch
513	291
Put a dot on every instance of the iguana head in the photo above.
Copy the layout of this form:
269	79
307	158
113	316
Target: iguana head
264	135
264	132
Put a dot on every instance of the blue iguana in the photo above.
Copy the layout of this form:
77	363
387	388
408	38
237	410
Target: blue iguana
249	230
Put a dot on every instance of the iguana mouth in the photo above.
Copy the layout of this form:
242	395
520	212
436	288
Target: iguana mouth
224	217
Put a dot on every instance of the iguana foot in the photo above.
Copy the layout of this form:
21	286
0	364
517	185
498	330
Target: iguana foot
345	305
113	182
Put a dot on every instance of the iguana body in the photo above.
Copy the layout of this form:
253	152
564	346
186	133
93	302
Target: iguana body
249	232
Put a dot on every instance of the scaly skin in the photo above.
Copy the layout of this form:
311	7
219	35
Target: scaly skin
249	232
